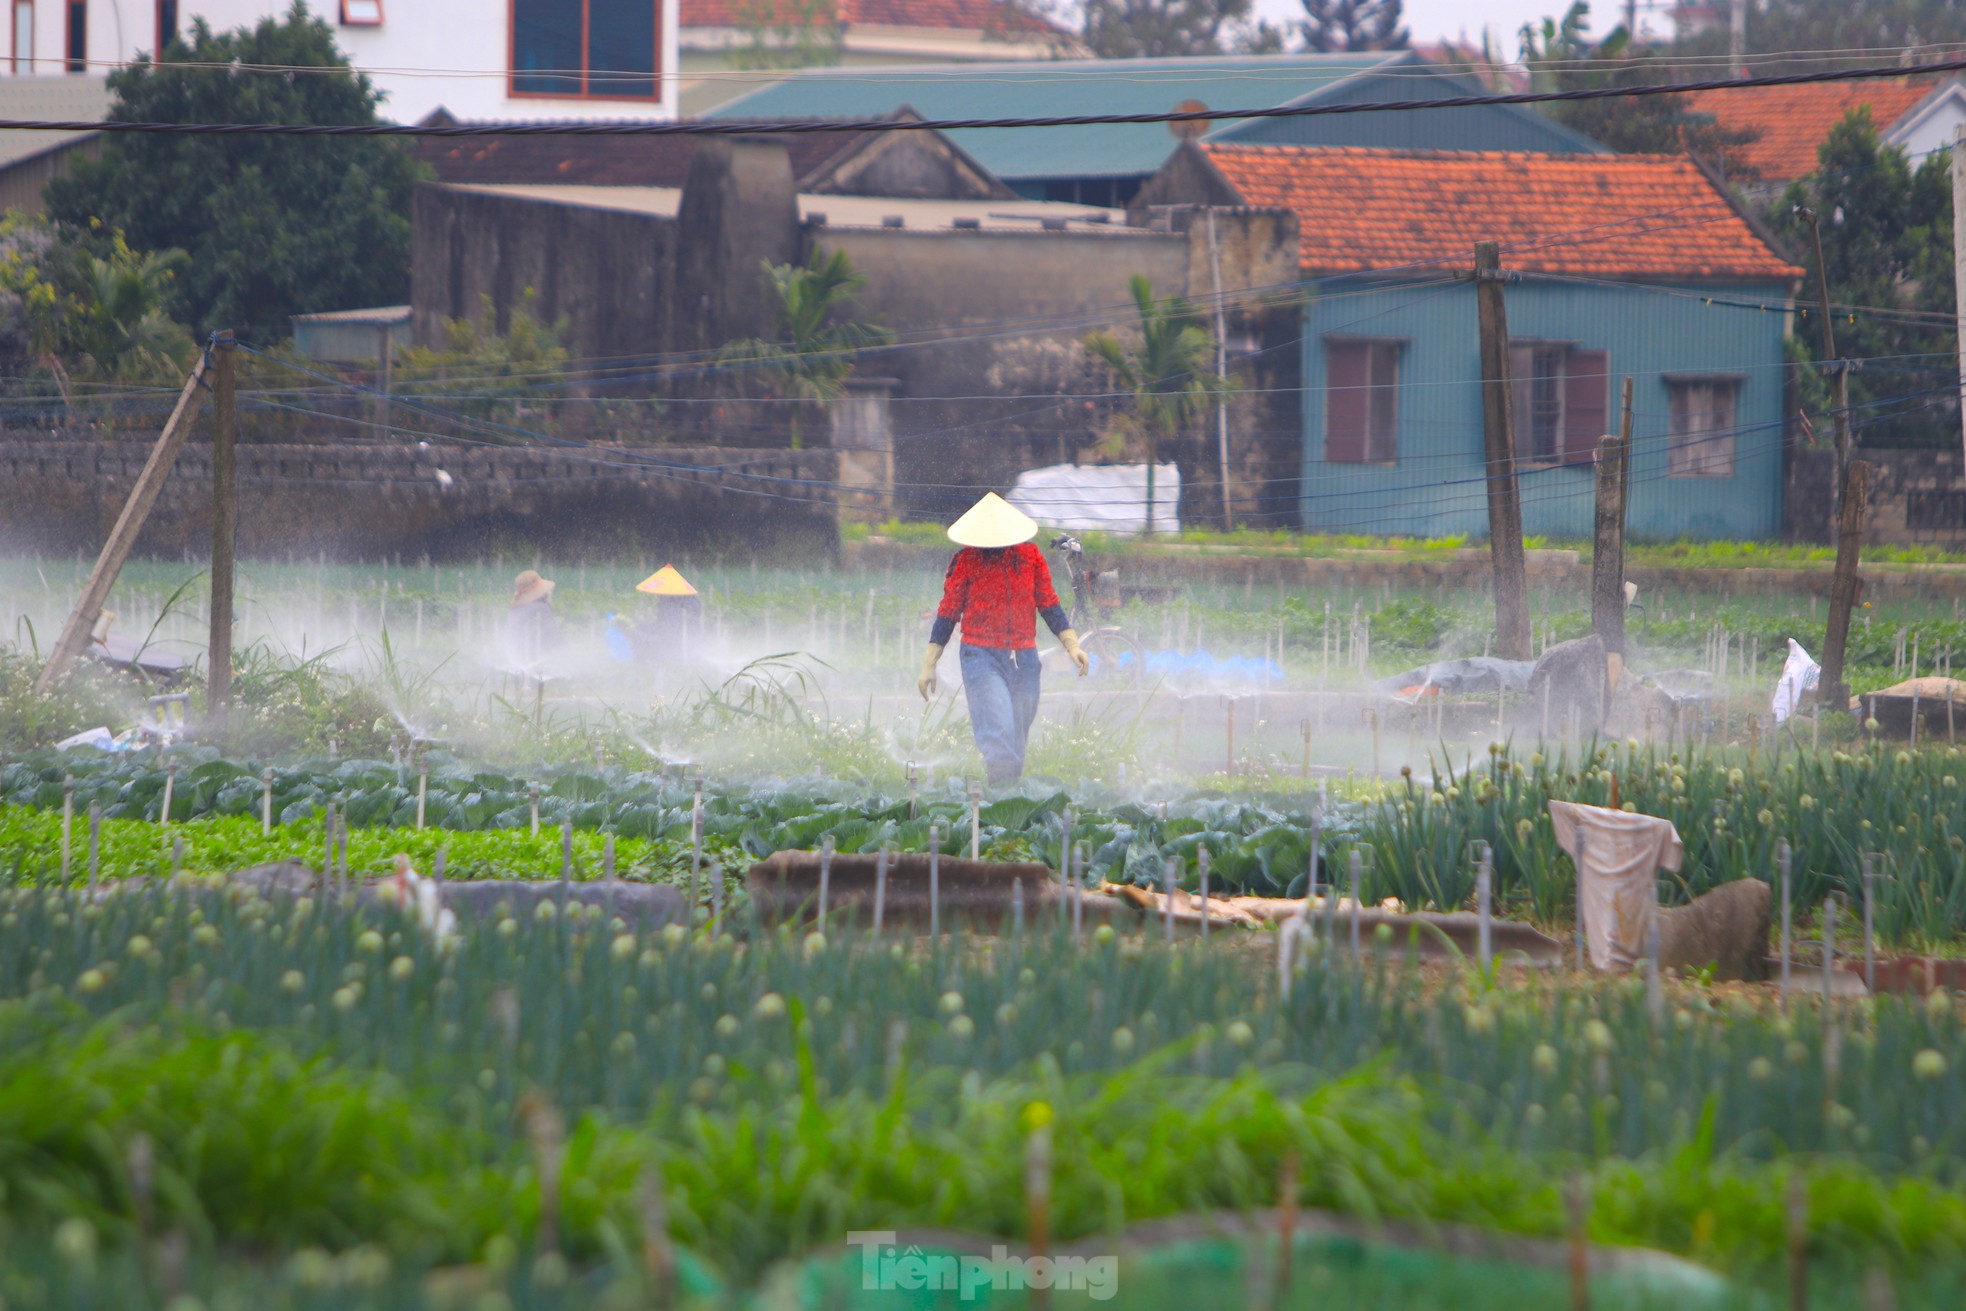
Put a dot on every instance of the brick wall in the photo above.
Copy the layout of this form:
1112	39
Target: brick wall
1917	497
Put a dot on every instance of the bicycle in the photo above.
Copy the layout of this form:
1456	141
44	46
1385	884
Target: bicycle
1117	657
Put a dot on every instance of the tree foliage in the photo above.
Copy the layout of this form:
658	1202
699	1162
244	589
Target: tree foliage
818	341
1887	246
787	34
1169	377
84	306
482	371
272	226
1561	56
1331	26
1138	29
1909	31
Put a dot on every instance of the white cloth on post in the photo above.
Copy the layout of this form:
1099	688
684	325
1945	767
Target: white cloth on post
1799	675
1621	856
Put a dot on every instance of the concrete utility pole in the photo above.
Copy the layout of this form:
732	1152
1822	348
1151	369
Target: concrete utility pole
1221	372
1959	262
1832	691
1737	39
82	620
1498	446
1608	546
218	657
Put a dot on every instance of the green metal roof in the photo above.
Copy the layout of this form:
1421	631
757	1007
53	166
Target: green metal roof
1064	86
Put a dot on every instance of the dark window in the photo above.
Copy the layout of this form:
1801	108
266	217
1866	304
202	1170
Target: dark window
1560	398
166	26
1361	401
1704	416
585	49
78	36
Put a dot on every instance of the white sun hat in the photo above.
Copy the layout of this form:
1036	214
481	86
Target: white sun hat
993	522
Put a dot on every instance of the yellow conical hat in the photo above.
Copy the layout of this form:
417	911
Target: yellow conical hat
992	522
666	582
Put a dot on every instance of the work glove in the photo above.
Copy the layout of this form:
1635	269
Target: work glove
1070	641
926	683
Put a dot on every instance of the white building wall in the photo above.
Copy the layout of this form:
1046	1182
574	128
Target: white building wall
427	54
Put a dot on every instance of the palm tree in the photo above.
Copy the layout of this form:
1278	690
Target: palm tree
123	327
1169	376
814	355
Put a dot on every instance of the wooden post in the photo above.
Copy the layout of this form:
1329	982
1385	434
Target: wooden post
1498	446
1608	546
1843	585
82	619
218	658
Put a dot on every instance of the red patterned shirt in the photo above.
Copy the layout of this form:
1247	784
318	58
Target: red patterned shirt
997	595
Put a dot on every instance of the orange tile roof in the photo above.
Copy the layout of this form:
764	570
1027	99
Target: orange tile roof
1645	216
1794	120
939	15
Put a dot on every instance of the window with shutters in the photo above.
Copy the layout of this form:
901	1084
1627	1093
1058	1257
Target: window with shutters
1560	396
1361	400
1704	416
586	49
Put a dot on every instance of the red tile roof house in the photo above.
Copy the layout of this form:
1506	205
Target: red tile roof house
1789	122
1620	266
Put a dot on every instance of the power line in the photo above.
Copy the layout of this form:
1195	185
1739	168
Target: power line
703	127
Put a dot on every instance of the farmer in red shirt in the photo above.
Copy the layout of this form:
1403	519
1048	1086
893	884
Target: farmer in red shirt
997	586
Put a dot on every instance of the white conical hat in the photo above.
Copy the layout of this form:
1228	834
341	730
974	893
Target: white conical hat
993	522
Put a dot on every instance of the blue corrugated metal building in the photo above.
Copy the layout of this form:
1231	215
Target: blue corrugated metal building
1105	165
1667	339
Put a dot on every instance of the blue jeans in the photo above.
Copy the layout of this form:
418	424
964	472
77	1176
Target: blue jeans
1002	690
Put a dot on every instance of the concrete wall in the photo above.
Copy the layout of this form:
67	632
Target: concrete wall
370	503
989	375
1916	497
611	274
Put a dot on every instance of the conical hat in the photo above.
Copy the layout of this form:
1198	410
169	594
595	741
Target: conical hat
992	522
666	582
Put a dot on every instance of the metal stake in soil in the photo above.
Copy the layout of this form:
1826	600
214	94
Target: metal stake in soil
825	876
1201	868
716	896
1358	869
532	797
95	845
935	881
266	801
1078	894
1484	901
1167	899
177	854
422	794
975	820
170	786
1870	905
1017	907
1784	860
880	887
67	826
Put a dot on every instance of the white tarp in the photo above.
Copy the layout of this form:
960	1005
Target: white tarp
1799	675
1103	497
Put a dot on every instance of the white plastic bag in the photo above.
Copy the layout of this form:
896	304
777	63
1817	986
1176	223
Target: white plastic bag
1799	674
